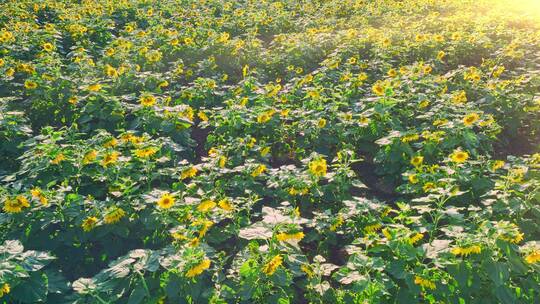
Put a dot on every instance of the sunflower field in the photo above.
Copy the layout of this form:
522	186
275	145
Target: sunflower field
261	151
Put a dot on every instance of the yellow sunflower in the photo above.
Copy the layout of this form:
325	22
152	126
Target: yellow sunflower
459	156
148	100
318	167
470	119
166	201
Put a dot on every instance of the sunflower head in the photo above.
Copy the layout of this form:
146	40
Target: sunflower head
459	156
148	100
417	160
166	201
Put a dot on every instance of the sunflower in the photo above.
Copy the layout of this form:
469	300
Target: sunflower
459	156
222	161
114	215
147	100
153	56
110	158
423	104
417	161
30	85
265	116
424	282
111	143
369	229
258	170
318	167
271	267
533	257
10	72
37	193
284	237
413	178
441	55
5	289
225	205
206	205
89	157
109	52
470	119
205	225
94	87
378	89
166	201
58	159
466	251
307	270
363	121
189	173
459	97
145	153
202	116
428	186
110	71
198	269
48	47
265	151
16	205
497	165
89	223
415	238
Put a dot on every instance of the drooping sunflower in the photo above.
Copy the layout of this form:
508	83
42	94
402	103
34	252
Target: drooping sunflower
89	223
283	237
271	267
198	269
206	205
258	170
470	119
424	282
110	158
114	215
189	173
533	257
94	87
225	205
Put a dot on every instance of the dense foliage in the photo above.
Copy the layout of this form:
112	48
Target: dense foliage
256	151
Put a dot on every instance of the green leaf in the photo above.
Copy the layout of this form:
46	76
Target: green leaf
33	290
283	301
497	272
504	295
57	282
397	269
137	294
